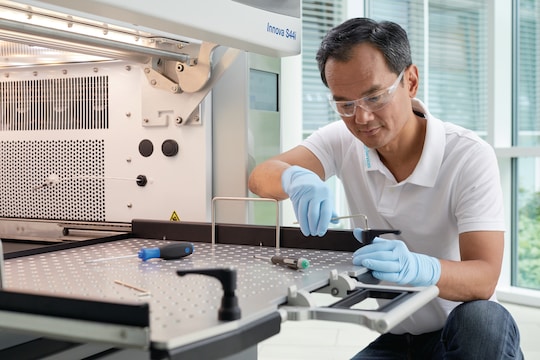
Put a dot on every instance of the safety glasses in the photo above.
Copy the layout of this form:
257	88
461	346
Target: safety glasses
371	103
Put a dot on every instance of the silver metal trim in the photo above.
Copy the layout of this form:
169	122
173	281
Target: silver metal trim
52	38
77	330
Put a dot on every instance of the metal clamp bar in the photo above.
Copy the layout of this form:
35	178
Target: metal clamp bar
382	320
242	199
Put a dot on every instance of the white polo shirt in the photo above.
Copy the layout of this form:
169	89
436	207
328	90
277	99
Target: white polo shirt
454	188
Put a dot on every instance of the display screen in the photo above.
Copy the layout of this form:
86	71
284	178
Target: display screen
263	90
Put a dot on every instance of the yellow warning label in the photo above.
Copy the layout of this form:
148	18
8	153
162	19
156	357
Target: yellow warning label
174	216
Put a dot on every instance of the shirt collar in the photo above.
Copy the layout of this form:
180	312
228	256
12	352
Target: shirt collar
427	169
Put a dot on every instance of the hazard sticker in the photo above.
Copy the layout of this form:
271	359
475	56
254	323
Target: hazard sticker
174	216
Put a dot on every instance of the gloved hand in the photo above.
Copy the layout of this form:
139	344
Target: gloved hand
392	261
311	198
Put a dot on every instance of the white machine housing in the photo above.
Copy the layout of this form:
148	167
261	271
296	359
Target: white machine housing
127	132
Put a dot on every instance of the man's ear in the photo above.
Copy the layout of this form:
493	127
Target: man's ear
412	80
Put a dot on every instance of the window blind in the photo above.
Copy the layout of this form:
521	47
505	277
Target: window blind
317	18
453	65
528	80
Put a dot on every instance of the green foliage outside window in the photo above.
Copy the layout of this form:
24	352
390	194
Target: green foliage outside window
528	249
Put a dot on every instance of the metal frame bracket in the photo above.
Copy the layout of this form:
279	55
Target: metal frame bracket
153	72
194	75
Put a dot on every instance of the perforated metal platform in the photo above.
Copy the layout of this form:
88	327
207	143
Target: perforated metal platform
182	308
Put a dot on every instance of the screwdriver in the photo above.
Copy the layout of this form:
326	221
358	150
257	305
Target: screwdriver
171	251
293	263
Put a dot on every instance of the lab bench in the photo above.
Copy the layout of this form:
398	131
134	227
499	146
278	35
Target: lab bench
56	302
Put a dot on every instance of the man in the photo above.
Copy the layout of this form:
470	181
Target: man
404	169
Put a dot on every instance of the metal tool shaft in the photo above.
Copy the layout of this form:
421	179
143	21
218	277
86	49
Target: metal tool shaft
110	258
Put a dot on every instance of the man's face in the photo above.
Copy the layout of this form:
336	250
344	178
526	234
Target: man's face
367	76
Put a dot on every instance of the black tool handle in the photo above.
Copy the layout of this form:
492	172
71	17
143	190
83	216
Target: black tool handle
370	234
176	250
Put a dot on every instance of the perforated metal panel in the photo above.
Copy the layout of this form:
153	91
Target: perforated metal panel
69	103
26	164
55	104
182	308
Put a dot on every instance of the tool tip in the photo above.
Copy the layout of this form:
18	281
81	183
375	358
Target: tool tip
303	263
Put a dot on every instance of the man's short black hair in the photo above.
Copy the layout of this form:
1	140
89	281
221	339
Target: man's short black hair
390	38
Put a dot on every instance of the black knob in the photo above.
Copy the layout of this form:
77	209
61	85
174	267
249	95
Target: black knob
169	147
146	148
229	309
369	234
142	180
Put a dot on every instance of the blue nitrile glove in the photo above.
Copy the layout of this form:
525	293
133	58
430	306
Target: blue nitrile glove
391	260
311	198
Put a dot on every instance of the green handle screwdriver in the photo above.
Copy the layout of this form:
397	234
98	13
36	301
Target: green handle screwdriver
291	262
